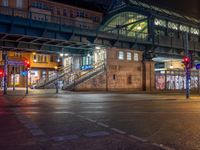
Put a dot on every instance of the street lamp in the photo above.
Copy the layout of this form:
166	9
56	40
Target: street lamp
61	54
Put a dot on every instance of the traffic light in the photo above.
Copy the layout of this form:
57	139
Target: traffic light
186	60
1	73
27	64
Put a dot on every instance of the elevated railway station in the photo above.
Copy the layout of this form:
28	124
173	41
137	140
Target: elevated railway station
132	46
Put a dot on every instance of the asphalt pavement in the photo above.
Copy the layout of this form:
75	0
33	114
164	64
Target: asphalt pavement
98	121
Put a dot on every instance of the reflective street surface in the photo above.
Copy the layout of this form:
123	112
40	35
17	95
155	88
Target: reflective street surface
98	121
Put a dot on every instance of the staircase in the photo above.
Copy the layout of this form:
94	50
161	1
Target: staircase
61	73
76	78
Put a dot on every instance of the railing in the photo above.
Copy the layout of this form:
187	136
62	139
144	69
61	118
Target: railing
61	20
53	76
78	77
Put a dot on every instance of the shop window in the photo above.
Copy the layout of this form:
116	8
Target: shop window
129	56
5	3
121	55
129	79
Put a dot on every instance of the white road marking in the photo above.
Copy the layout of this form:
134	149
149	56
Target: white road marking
118	131
103	125
91	120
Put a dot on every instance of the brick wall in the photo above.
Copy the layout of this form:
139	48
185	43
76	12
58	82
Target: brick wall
122	75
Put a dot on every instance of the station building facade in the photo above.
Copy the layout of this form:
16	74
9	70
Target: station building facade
137	42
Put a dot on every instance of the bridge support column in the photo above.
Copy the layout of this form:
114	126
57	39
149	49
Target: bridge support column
149	76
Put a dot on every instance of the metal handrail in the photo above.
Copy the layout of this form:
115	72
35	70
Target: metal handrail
54	75
76	76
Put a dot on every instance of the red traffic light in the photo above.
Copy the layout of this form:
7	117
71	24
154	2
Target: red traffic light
27	63
1	73
186	60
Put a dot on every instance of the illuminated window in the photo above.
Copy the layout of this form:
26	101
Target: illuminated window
18	54
136	57
129	56
184	28
40	58
194	31
172	25
159	22
121	55
5	3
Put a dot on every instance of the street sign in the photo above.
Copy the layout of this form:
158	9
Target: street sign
87	67
198	66
24	73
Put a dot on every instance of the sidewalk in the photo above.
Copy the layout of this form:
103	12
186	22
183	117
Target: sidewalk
141	95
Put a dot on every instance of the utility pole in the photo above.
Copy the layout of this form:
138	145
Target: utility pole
5	57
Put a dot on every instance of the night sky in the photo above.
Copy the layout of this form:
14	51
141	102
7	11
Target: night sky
186	7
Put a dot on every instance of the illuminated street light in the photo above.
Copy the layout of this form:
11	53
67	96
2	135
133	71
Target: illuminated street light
61	54
58	60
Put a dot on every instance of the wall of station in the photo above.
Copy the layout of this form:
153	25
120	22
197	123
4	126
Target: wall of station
124	72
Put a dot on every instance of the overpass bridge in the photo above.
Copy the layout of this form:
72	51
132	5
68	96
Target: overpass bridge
20	31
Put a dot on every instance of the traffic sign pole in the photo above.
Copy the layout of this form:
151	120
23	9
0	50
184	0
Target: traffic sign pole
27	81
5	56
187	66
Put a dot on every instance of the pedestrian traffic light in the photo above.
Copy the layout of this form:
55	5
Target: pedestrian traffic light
27	64
1	73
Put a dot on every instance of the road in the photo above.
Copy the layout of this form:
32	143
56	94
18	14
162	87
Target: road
108	121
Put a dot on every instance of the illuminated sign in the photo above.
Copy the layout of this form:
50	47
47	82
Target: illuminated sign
197	66
87	67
